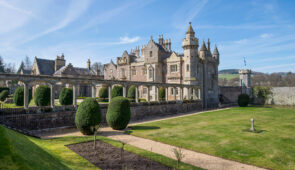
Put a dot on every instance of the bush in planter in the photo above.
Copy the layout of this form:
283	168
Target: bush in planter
66	96
18	96
3	95
88	115
131	92
42	96
103	93
243	100
117	91
118	114
162	94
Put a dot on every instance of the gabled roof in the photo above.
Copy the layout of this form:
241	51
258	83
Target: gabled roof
45	67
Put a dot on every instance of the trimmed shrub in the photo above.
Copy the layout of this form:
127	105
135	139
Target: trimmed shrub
88	115
18	96
118	114
117	91
131	92
103	93
42	96
142	100
66	96
243	100
4	88
3	95
162	94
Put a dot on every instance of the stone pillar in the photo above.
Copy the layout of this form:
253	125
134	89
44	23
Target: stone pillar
75	95
189	93
194	93
157	93
26	95
148	94
166	93
110	92
52	95
93	90
199	93
136	94
174	92
181	93
124	91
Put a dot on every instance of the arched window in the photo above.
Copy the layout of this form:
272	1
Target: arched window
151	73
187	67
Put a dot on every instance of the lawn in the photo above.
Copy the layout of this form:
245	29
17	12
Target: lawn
225	134
18	151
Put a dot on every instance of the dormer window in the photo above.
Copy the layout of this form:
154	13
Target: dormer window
151	53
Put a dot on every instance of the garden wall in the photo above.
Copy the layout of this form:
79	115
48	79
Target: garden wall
282	96
57	119
230	94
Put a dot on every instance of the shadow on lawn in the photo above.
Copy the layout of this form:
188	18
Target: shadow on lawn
140	128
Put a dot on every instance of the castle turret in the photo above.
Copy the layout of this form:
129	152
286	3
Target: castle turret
190	47
216	54
88	64
203	51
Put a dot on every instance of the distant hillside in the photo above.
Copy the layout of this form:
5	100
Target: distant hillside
235	71
229	71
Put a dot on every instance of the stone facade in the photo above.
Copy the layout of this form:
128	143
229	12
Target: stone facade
156	62
59	68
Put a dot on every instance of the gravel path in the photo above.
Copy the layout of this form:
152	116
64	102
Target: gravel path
191	157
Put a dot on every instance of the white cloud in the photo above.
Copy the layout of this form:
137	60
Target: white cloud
128	40
75	9
266	35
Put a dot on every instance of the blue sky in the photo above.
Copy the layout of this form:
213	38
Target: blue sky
263	31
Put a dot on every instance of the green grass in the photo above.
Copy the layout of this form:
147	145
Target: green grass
225	134
18	151
228	76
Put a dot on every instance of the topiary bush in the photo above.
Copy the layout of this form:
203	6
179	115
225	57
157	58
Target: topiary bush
118	114
88	115
243	100
4	88
103	92
162	94
66	96
18	96
117	91
3	95
42	96
131	92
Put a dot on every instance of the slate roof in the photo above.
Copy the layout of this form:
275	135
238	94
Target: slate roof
46	67
26	71
203	47
84	71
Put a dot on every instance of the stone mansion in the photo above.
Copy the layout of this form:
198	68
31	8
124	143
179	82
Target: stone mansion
157	62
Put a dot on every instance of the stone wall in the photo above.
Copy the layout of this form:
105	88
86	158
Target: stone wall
282	96
230	93
66	118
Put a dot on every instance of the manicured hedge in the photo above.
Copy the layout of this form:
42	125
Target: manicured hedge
117	91
87	116
42	96
103	92
243	100
131	92
66	96
162	93
118	113
3	95
18	97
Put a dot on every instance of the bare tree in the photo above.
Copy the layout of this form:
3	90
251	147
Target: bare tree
27	63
